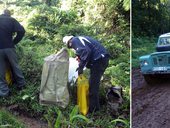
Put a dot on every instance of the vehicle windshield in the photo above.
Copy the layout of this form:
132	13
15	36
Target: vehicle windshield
163	41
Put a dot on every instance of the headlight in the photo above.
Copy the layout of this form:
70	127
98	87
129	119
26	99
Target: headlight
144	63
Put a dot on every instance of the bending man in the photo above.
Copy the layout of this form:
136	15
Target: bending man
93	55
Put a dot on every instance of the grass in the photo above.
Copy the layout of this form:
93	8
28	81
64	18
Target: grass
142	46
27	102
101	119
7	120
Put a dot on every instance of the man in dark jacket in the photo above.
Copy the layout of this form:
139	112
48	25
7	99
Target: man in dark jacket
8	27
94	56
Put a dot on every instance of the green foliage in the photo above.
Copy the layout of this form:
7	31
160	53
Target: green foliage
117	45
126	5
47	21
62	121
73	29
142	46
7	120
26	100
150	17
118	75
49	117
124	122
46	24
108	16
58	120
74	115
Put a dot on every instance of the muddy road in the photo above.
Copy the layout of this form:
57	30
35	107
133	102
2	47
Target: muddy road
150	104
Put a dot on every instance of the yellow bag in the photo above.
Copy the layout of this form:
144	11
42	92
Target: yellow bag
82	94
8	76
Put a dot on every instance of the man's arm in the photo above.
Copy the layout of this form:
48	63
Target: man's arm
84	55
19	29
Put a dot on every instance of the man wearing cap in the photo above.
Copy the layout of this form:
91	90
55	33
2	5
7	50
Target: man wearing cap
94	56
8	27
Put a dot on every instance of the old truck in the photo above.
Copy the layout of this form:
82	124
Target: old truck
157	64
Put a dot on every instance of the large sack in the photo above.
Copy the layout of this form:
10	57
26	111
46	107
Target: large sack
73	74
54	79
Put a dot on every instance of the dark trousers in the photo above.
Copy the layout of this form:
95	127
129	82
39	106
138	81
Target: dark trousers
96	72
9	56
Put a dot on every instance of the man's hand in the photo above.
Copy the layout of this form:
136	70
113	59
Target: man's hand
80	71
78	59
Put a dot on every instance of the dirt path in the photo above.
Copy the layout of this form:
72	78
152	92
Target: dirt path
150	104
29	122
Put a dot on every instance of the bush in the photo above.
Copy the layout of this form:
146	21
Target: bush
47	21
75	29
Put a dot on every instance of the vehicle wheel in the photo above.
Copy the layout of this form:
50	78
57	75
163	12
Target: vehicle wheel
151	79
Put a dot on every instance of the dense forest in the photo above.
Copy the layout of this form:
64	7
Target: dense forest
150	18
46	22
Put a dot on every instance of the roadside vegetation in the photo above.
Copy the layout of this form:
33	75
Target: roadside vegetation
142	46
7	120
149	20
46	23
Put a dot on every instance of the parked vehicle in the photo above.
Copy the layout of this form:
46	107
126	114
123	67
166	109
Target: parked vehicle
157	64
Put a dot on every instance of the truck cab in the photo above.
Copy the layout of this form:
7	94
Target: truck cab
157	64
